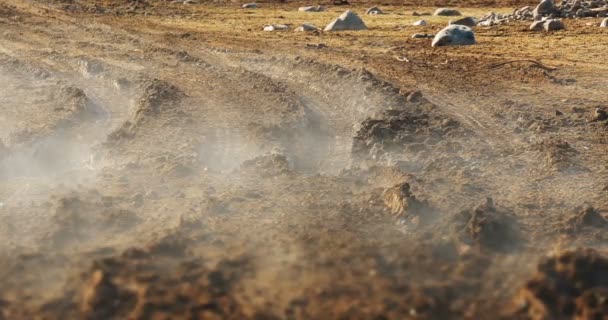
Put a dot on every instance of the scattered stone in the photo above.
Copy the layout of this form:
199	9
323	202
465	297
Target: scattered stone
422	36
307	27
312	9
553	25
454	35
468	21
544	8
447	12
558	113
547	25
374	10
250	6
346	21
537	25
492	19
604	23
276	27
416	14
420	23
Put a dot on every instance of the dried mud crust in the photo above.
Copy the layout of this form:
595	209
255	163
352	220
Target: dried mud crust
569	285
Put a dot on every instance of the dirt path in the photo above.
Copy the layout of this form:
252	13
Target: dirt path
155	165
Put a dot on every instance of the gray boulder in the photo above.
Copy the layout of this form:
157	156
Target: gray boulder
420	23
312	9
250	6
544	8
346	21
454	35
604	23
374	10
307	27
468	21
447	12
553	25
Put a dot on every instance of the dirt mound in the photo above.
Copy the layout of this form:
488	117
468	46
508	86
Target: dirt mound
75	219
570	285
586	218
488	227
141	285
403	204
407	129
270	165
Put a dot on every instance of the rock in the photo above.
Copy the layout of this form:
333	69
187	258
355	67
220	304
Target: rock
604	23
374	10
468	21
307	27
420	23
250	6
454	35
312	9
599	115
276	27
537	25
346	21
544	8
447	12
422	35
416	14
553	25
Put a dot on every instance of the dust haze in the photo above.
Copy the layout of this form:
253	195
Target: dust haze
173	160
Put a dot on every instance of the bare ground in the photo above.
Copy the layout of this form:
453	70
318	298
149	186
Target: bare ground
170	161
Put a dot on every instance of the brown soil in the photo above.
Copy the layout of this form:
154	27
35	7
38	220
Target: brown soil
162	160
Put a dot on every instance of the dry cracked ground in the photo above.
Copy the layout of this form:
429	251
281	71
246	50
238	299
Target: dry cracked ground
170	161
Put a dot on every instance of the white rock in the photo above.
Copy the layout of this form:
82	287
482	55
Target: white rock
454	35
346	21
250	6
604	23
420	23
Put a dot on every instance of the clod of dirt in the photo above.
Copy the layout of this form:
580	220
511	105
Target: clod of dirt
570	285
403	129
149	287
271	165
559	155
157	97
403	204
588	217
102	299
488	227
76	220
75	101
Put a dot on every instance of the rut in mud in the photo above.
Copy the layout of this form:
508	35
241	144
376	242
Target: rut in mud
146	176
